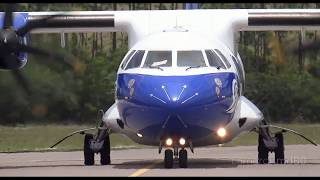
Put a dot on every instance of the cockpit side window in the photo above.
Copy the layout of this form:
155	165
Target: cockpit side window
214	60
225	60
158	59
135	60
190	59
125	61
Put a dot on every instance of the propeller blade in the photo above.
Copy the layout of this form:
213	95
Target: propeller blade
8	16
40	52
35	24
21	80
67	59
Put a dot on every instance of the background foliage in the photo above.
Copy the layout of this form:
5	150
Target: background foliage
283	84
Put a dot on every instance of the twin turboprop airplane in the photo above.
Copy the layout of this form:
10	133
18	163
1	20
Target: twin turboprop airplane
180	85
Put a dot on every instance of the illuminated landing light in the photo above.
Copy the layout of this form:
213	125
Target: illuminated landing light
182	141
169	142
221	132
174	98
139	135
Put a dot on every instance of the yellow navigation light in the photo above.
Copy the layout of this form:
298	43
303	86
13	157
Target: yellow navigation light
221	132
169	142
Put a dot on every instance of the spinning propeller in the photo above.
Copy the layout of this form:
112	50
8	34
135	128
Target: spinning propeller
11	44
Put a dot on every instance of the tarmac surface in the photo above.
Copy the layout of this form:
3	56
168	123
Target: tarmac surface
301	160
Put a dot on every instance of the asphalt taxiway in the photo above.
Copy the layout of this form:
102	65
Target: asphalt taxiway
301	160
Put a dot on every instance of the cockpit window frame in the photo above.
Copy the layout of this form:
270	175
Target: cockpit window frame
221	62
142	59
223	58
127	59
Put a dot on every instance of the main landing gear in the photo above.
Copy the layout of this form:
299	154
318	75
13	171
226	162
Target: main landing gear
267	143
100	144
92	146
263	150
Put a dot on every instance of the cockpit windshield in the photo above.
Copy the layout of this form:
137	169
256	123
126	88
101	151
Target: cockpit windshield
156	59
190	59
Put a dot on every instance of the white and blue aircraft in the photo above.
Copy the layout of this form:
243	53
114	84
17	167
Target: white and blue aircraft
181	84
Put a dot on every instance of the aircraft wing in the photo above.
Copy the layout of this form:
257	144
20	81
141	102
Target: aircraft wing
213	22
283	19
246	19
75	21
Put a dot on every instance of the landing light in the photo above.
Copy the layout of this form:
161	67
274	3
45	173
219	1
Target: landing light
139	135
221	132
182	141
169	142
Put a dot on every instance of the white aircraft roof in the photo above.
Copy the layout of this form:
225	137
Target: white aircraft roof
175	40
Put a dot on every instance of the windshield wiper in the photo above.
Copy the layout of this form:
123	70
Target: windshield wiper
155	67
190	67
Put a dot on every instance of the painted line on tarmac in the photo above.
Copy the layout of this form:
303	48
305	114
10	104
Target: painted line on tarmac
144	169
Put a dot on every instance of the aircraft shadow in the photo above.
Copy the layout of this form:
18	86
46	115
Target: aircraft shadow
201	163
41	166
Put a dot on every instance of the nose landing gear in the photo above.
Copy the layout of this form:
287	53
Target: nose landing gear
183	158
173	153
169	159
